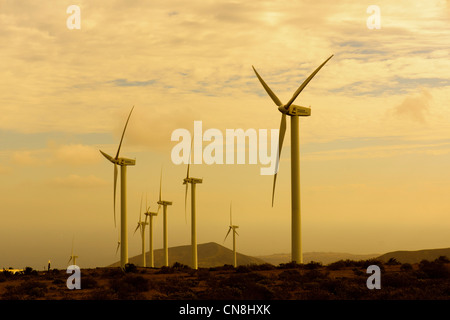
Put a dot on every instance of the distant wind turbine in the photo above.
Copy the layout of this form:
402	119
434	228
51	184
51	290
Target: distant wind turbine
73	257
165	236
193	181
232	227
294	112
123	163
141	226
150	215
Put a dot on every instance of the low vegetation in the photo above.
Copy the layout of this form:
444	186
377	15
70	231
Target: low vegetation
344	279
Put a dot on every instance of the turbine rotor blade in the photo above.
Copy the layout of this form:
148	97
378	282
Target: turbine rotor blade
118	246
231	222
280	146
140	209
229	229
138	226
123	133
268	90
160	184
107	156
303	85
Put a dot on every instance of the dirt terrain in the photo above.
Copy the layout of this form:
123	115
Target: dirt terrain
342	280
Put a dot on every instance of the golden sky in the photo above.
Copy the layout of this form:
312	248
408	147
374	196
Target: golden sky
375	153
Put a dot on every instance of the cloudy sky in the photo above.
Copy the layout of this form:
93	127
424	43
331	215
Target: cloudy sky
375	154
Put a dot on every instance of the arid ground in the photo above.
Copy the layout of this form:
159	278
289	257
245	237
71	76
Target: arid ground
342	280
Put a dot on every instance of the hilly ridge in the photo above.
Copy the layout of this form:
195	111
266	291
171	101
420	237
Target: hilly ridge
212	254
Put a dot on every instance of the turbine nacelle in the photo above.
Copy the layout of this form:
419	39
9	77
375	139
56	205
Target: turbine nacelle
119	161
164	203
151	213
294	110
192	180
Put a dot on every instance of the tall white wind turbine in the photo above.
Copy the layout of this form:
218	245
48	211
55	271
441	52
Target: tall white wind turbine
164	203
193	181
123	163
294	112
150	215
232	227
141	226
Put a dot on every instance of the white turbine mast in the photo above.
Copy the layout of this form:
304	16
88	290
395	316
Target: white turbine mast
294	111
123	163
232	227
150	215
193	181
141	226
164	204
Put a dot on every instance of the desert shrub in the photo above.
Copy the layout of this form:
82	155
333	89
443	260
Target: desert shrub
251	285
225	267
289	265
165	270
263	266
406	267
392	262
88	282
313	265
243	269
180	267
112	273
313	275
203	274
26	290
337	265
398	280
176	286
442	259
433	270
130	268
30	271
129	287
291	276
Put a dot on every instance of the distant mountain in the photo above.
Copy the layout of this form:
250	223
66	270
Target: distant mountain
415	256
209	254
323	257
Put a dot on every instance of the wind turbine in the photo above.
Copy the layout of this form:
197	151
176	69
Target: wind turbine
232	227
165	238
72	258
123	163
141	225
294	112
150	215
193	181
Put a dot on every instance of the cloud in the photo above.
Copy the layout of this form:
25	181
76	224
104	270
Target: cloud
72	155
414	108
75	154
76	181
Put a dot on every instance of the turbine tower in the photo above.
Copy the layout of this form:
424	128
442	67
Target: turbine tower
123	163
294	112
193	181
141	226
165	237
150	215
232	227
